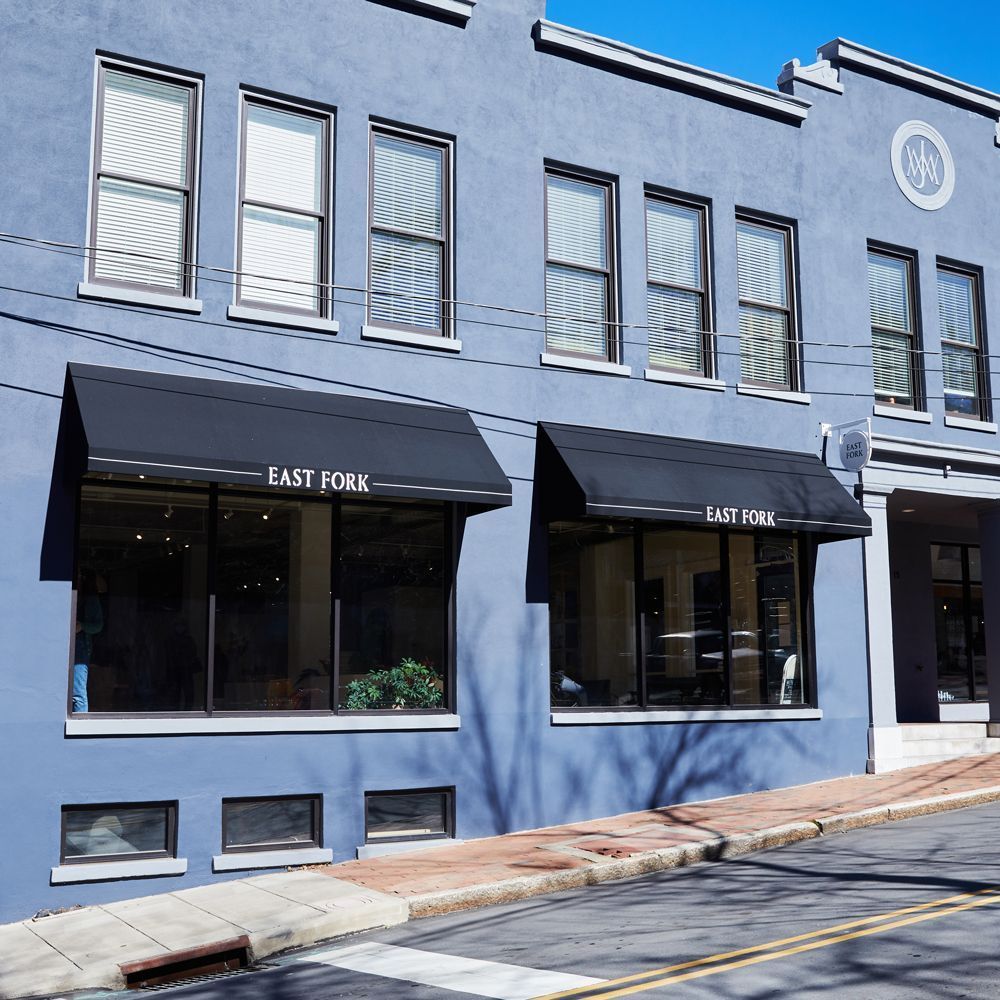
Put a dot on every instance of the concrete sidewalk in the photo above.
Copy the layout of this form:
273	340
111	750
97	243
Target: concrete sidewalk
270	913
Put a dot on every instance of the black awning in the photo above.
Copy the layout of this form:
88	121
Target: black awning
178	427
595	472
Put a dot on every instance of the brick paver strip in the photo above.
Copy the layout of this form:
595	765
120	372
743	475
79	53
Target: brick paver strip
829	805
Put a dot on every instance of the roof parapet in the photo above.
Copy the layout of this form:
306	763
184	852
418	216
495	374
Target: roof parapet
617	55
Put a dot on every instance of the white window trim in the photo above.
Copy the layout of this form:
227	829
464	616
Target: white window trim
585	364
107	871
188	302
245	861
902	413
411	338
273	317
246	725
677	378
970	424
643	716
390	847
784	395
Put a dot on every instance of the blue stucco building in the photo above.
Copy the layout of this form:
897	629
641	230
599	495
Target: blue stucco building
414	428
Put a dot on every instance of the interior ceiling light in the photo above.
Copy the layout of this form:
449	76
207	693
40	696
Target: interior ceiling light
169	512
909	510
266	514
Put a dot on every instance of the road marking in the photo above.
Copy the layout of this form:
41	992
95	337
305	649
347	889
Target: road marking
449	972
823	938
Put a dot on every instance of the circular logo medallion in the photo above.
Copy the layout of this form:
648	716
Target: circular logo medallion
922	165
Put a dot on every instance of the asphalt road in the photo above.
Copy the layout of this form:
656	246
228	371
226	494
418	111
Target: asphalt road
630	929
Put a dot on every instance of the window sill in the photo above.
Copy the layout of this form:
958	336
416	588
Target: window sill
247	861
596	718
404	847
272	317
137	297
899	413
410	338
586	365
785	395
969	424
108	871
677	378
229	725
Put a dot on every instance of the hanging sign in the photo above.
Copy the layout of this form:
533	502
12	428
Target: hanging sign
855	450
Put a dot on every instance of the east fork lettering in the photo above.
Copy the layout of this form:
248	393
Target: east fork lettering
318	479
740	515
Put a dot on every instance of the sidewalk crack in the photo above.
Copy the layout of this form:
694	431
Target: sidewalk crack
51	945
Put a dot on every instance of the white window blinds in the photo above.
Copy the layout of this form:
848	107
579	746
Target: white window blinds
765	304
960	358
143	183
675	301
577	275
891	320
283	210
408	240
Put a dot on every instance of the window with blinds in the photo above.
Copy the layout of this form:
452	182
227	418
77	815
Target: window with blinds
763	254
676	286
578	267
890	296
409	253
961	343
143	181
283	208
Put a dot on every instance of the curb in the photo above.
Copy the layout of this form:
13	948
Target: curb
718	849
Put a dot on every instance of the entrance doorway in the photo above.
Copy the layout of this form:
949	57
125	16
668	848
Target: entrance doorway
959	622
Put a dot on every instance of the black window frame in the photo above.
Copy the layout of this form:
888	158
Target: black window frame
326	118
975	277
703	208
453	514
909	258
194	83
315	800
806	565
790	311
449	813
171	807
419	137
612	325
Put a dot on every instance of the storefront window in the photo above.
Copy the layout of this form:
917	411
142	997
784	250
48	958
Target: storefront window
258	600
959	622
720	623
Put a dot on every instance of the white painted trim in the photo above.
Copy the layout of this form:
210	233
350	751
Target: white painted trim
969	711
677	378
968	454
410	338
271	317
391	847
585	365
619	55
784	395
461	9
967	423
137	297
642	717
107	871
899	413
912	130
850	53
247	861
819	74
215	726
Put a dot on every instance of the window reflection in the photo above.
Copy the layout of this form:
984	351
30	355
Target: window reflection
109	832
959	622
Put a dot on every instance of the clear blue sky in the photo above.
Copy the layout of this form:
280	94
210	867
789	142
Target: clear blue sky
751	40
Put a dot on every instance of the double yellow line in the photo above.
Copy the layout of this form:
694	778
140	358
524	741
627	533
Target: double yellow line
783	948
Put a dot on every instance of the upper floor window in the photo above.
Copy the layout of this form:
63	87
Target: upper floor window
579	279
767	315
410	255
890	293
961	343
676	286
283	208
143	185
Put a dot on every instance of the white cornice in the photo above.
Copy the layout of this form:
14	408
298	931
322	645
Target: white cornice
885	444
617	55
847	53
459	9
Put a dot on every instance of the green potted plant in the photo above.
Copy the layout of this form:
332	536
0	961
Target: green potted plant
411	684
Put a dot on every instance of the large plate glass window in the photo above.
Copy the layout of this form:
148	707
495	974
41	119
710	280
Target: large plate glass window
412	814
118	832
890	296
409	265
143	188
767	314
208	599
579	285
959	621
961	343
279	823
283	208
676	286
719	623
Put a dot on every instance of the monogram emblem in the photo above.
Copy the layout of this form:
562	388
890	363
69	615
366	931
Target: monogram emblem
922	165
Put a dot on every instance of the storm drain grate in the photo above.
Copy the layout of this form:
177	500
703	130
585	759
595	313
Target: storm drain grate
191	965
206	977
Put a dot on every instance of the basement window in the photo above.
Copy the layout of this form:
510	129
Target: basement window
412	814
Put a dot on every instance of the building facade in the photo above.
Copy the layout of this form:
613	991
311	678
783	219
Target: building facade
423	422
